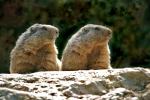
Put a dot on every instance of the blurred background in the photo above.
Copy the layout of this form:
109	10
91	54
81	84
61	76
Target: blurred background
129	20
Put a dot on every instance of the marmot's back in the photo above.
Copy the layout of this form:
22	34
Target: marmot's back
35	50
91	40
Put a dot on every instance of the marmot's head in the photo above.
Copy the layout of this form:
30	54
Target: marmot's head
38	34
43	31
97	32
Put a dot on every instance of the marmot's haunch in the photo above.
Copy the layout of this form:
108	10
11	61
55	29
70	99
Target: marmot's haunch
35	50
88	49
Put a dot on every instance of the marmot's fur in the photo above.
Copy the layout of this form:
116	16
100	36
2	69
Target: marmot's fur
88	49
35	50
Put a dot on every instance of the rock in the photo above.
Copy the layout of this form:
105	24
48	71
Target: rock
113	84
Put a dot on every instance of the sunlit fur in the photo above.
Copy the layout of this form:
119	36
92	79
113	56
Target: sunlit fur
35	50
88	49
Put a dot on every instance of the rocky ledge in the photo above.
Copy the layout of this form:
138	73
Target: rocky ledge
114	84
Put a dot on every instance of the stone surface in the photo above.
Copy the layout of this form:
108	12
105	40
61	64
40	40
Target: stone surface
114	84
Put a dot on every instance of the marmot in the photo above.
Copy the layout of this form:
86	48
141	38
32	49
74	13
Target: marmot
88	49
35	50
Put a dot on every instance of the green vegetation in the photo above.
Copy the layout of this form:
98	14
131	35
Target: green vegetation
129	20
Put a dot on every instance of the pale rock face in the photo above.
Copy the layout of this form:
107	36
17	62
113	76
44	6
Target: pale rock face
112	84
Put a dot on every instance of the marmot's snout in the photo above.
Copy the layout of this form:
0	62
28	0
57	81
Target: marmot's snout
108	32
104	30
52	32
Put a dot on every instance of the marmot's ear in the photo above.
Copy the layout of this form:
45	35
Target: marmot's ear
85	30
44	28
97	28
36	24
32	30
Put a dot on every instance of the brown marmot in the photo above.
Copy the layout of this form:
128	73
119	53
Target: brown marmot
35	50
88	49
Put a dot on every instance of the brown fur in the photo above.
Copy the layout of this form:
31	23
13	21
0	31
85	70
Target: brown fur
88	49
35	50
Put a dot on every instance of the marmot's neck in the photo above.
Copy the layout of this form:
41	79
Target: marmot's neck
103	44
47	48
